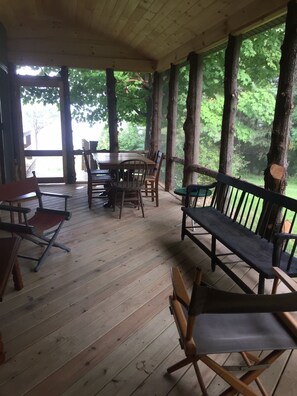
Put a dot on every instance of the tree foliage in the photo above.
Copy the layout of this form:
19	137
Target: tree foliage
257	87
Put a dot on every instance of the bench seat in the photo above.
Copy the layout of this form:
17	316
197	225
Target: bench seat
240	217
257	252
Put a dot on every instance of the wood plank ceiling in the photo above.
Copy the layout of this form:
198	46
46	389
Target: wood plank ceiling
139	35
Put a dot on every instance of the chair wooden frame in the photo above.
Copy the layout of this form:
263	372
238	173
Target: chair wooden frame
9	263
44	226
210	305
129	182
151	188
98	182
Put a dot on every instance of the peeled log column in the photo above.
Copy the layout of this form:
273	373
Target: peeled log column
192	122
278	151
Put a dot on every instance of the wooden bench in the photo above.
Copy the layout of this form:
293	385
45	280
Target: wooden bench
255	224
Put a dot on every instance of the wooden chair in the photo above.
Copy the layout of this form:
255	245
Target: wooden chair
43	227
213	322
129	181
151	187
87	163
98	182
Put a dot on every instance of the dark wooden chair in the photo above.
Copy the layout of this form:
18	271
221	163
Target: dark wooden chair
88	160
213	322
43	227
128	183
98	182
151	188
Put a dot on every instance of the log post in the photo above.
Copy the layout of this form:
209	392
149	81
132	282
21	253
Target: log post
192	123
112	111
157	113
66	117
275	174
149	111
278	151
171	126
7	130
230	104
2	353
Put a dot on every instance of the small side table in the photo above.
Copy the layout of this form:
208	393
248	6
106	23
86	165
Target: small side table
202	192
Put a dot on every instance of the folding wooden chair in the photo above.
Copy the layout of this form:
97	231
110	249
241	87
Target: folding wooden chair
9	264
43	227
213	322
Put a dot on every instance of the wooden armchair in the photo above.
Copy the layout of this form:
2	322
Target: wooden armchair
43	227
213	322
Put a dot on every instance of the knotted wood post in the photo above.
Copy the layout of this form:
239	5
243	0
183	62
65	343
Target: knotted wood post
230	109
157	113
192	123
275	174
230	104
171	126
67	125
278	152
112	111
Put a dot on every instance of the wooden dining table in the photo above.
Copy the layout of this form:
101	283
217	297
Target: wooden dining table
112	161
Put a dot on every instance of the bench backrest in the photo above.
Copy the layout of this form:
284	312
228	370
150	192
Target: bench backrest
262	211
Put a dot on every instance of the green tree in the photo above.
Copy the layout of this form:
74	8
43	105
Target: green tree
88	95
257	85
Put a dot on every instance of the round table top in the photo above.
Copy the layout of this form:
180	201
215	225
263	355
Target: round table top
201	192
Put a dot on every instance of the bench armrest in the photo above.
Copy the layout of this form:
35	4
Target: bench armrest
283	236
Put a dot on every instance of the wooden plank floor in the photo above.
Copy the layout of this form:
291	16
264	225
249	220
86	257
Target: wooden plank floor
95	321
